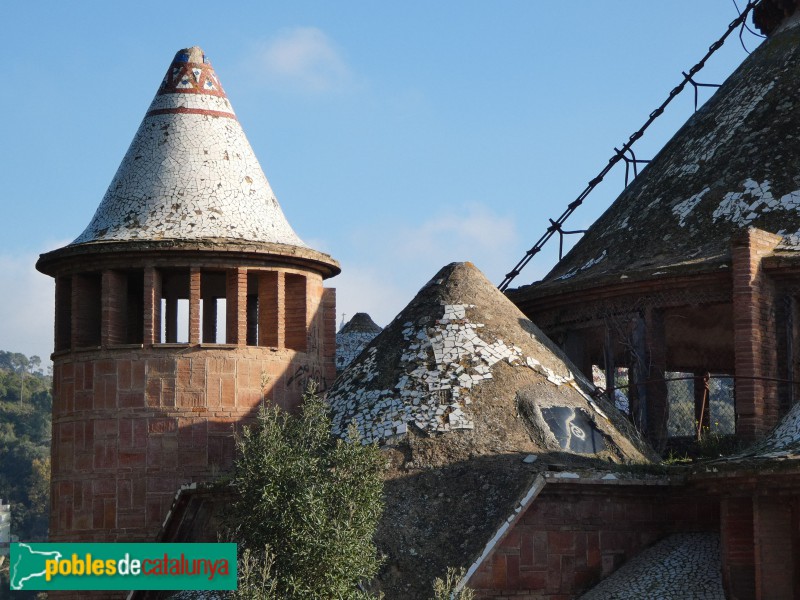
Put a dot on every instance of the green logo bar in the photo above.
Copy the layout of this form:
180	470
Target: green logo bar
123	566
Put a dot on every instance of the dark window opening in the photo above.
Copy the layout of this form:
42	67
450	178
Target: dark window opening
63	337
86	307
213	307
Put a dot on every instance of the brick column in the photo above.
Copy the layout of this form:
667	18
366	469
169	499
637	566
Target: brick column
114	312
738	557
152	306
755	334
328	357
236	301
194	305
271	296
296	312
774	547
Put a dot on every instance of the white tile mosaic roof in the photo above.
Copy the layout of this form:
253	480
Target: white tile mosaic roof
781	442
461	359
190	172
353	337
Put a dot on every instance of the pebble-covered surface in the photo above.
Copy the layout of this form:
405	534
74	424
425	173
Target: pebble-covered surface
353	337
190	172
684	566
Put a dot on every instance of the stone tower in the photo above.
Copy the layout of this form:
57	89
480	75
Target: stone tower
186	301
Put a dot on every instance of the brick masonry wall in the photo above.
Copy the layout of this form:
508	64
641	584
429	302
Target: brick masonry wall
738	558
129	428
755	332
774	532
131	424
569	540
760	542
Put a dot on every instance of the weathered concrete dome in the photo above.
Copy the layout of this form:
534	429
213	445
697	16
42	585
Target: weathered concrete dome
732	166
190	172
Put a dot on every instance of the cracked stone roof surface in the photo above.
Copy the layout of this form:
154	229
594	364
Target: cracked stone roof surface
684	566
460	390
190	172
734	164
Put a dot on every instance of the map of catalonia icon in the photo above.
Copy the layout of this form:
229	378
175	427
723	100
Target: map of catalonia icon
28	564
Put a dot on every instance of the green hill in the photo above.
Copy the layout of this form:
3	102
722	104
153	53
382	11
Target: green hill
25	408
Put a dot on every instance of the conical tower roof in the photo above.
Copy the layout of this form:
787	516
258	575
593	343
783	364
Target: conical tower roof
361	323
734	164
353	337
458	365
190	172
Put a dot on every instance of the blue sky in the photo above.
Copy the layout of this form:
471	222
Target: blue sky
398	137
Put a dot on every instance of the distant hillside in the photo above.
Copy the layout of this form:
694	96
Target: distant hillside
25	407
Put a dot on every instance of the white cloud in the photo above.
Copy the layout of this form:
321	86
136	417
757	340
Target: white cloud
27	304
392	263
307	59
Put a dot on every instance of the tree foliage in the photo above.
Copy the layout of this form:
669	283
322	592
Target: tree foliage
25	410
313	500
446	588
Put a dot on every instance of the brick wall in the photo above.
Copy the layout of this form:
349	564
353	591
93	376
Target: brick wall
774	553
297	315
129	428
738	557
569	539
132	423
329	332
754	334
760	543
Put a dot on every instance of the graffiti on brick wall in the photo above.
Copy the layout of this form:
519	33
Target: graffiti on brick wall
303	375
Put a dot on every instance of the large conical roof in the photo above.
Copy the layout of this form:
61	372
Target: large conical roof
190	172
734	164
459	365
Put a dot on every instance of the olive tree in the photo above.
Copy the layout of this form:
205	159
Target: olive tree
312	499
